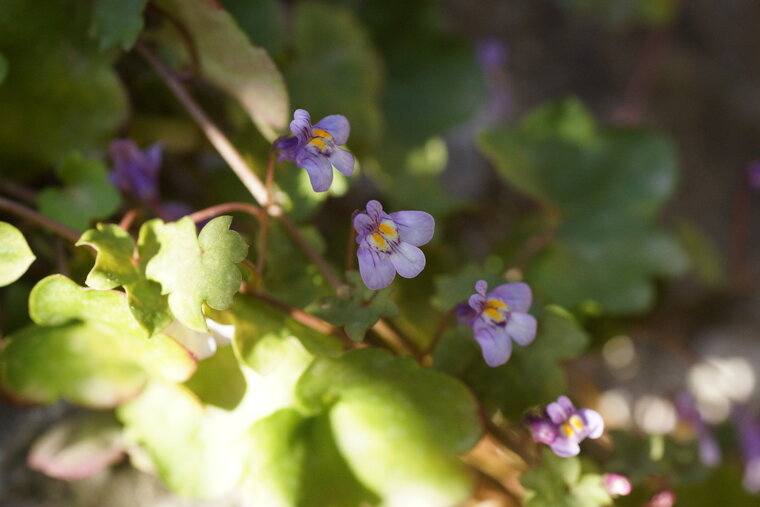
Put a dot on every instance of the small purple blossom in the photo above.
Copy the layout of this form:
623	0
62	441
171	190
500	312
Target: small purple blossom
498	317
562	427
135	171
709	450
315	147
617	485
749	432
388	244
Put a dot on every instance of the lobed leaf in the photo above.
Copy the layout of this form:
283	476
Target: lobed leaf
117	23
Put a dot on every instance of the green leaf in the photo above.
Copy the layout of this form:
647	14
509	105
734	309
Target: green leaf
451	290
78	447
86	195
294	461
557	482
116	265
194	270
62	93
229	60
704	258
359	308
3	68
335	70
219	380
263	335
15	254
117	22
85	347
262	20
531	377
398	426
608	184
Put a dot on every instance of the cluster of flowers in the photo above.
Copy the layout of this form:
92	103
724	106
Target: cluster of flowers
388	243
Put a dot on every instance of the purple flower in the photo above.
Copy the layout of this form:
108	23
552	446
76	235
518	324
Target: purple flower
498	317
617	485
562	427
388	244
135	171
315	147
709	450
749	431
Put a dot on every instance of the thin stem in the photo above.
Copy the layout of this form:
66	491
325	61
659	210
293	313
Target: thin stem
351	246
128	218
20	192
227	207
396	341
38	218
209	128
304	318
445	321
327	271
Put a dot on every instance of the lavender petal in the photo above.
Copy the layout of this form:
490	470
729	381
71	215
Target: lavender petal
343	161
521	327
375	268
518	296
319	169
408	260
337	126
415	227
496	345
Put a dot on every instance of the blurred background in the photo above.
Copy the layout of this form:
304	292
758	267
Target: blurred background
438	93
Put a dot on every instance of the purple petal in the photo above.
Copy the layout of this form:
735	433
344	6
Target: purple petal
287	147
375	268
477	301
154	155
408	260
301	125
517	295
465	314
709	451
566	405
541	429
375	210
415	227
338	127
521	327
343	161
320	171
565	448
594	422
495	343
363	224
557	413
481	286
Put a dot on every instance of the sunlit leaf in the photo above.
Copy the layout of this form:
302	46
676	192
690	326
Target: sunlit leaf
195	269
85	347
398	426
117	22
557	482
78	447
86	193
229	60
15	254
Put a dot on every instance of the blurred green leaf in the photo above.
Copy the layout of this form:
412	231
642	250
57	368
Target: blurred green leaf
3	68
262	20
457	288
398	426
531	377
85	347
117	22
194	270
229	60
704	257
608	185
335	70
294	461
557	482
78	447
219	380
86	193
116	265
15	254
359	308
62	93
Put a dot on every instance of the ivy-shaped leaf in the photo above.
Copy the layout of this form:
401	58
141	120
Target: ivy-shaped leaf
229	60
359	309
531	377
15	254
398	426
117	22
116	265
86	347
86	194
194	270
608	184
